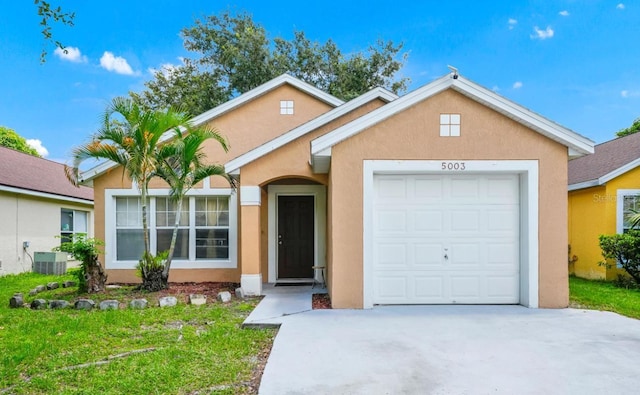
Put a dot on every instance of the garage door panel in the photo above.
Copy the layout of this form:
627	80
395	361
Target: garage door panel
390	254
466	286
428	287
392	288
392	220
505	219
465	188
465	220
472	219
503	287
464	254
428	254
391	187
502	254
428	221
502	190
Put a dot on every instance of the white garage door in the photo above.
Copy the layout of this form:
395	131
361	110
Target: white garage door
446	239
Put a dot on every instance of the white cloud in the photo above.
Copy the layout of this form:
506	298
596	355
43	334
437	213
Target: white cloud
564	13
517	85
37	145
620	6
115	63
512	23
626	94
495	88
542	34
71	54
166	68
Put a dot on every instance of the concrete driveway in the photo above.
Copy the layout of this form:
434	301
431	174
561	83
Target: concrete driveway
454	350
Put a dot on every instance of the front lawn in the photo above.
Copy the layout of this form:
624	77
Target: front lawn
601	295
178	350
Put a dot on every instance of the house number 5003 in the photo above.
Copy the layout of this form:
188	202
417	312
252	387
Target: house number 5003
453	166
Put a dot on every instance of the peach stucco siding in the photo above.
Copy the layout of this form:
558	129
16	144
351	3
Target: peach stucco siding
414	134
245	128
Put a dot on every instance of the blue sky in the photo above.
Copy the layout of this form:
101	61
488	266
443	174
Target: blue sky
575	62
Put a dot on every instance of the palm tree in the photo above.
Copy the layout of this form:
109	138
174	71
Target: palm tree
181	166
130	137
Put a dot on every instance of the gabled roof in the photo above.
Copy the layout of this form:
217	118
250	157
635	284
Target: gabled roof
231	105
610	159
577	145
233	166
26	174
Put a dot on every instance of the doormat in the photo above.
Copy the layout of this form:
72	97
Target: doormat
296	284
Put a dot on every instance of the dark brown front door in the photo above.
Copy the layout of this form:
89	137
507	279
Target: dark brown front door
295	236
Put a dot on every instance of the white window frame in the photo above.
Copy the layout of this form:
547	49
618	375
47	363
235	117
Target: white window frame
286	107
111	261
74	231
620	194
450	125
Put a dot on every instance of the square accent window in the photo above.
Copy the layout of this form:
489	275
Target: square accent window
286	107
449	125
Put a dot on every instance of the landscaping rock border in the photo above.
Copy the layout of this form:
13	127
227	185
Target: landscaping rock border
17	300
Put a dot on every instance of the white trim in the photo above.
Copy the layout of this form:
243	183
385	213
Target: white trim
320	223
583	185
528	170
110	229
544	126
251	284
231	105
619	171
250	196
620	194
44	195
377	93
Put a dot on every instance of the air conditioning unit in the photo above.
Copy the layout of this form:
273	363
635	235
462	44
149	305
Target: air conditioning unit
50	262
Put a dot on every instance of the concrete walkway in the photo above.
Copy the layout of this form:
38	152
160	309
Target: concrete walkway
279	303
449	350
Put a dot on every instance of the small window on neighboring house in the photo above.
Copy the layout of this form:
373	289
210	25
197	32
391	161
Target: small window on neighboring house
630	207
286	107
449	125
72	222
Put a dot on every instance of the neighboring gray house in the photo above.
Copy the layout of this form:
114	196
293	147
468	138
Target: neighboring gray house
38	207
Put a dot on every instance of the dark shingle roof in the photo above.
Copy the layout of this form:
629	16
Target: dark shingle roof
23	171
608	156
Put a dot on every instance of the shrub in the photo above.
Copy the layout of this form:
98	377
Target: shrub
91	276
625	250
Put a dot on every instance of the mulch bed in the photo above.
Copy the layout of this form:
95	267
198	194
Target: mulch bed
320	301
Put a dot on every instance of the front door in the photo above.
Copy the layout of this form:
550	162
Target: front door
295	236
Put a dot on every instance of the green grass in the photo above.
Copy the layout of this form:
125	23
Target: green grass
185	348
602	295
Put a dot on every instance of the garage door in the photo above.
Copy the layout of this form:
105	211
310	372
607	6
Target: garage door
445	239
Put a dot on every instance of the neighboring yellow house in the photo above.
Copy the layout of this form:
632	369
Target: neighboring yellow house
449	194
603	189
38	207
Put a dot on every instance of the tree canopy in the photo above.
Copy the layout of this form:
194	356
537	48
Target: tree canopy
10	139
233	55
634	128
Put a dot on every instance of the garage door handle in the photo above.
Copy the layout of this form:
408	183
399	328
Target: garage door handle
446	256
